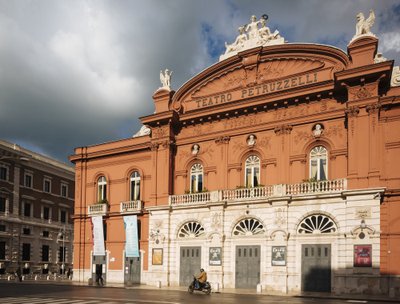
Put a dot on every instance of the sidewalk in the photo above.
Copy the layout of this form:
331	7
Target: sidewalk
314	295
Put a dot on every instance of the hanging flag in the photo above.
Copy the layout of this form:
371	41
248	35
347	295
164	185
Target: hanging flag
131	236
98	235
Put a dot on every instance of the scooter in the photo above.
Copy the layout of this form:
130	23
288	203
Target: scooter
206	287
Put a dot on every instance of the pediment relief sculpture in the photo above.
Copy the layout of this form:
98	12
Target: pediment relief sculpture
268	70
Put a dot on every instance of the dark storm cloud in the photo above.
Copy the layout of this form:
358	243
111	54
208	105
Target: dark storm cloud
75	73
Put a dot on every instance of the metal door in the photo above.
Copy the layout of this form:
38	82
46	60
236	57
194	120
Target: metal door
132	270
316	268
247	266
99	260
190	264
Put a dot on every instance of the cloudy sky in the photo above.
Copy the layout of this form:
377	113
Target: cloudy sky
80	72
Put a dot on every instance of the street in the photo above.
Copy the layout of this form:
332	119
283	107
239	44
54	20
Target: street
39	293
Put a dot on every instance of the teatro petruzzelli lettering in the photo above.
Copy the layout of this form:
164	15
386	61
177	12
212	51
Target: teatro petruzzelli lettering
257	90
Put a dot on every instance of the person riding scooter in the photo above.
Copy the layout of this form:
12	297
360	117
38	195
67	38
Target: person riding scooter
201	278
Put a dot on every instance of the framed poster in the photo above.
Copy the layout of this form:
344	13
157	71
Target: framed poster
215	256
278	256
157	257
362	255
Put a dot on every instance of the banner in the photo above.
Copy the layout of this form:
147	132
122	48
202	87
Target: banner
131	236
215	256
362	255
278	256
98	235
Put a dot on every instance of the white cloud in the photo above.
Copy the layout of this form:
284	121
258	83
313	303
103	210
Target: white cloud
390	42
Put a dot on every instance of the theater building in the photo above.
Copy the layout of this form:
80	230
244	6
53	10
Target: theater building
274	169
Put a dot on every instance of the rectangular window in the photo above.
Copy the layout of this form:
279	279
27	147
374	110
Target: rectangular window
45	233
248	177
26	252
256	177
64	190
2	228
2	204
26	231
3	173
45	253
2	250
46	213
27	209
47	185
63	216
28	180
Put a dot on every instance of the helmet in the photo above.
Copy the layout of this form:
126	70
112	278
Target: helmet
201	270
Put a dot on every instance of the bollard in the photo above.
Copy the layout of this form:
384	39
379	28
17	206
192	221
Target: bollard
215	287
9	278
23	278
259	288
48	278
158	284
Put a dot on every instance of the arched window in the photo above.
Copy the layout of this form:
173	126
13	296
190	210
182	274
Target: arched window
319	163
191	230
196	178
249	226
252	171
135	186
317	223
101	188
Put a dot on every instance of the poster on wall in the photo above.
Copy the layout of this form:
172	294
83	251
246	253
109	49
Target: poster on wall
362	255
278	256
98	235
131	238
215	256
157	258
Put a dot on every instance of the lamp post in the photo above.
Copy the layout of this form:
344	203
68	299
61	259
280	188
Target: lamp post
61	235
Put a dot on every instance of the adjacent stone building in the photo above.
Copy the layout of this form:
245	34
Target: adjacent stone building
36	205
275	168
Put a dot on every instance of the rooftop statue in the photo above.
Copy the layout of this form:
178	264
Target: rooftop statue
239	42
252	35
363	26
144	130
165	78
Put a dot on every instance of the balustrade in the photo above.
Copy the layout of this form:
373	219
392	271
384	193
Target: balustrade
258	193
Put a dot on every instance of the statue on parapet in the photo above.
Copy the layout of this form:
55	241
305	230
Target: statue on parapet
264	33
252	35
363	26
252	28
238	44
165	78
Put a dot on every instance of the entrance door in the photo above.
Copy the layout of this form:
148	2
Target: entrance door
316	268
190	264
132	270
247	266
99	261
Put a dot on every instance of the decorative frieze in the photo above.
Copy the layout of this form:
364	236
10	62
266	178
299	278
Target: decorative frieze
222	140
283	129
